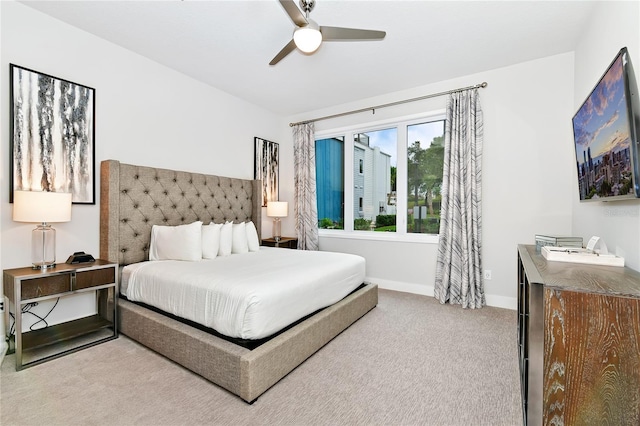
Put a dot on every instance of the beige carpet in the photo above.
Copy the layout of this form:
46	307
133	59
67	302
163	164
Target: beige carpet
410	361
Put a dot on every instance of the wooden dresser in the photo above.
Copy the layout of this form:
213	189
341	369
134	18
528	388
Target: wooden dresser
579	342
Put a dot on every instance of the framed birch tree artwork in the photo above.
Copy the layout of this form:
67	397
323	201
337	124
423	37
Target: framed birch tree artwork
52	135
266	169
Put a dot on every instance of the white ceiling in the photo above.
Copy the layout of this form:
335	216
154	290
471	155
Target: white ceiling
228	44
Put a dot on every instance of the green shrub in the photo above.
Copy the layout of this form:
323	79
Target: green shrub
430	225
385	220
325	223
361	224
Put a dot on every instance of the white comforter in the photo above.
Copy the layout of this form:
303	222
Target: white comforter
248	296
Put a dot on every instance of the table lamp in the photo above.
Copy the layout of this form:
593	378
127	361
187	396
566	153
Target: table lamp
276	210
43	207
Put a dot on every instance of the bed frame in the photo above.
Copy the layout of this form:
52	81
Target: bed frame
132	200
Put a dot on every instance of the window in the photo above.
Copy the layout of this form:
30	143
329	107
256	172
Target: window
425	157
375	152
393	183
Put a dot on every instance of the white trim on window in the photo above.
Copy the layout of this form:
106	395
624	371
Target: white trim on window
379	236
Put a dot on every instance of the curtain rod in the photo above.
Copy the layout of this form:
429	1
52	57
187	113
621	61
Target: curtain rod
373	108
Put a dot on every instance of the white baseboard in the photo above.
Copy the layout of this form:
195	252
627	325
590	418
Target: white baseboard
426	290
501	301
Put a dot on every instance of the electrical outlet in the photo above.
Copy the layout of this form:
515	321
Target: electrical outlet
487	274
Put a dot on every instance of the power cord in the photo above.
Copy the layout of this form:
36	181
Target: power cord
43	319
26	309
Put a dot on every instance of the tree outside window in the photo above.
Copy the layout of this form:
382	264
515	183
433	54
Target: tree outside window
424	178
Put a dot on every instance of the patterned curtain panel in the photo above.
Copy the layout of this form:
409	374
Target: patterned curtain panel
459	266
306	208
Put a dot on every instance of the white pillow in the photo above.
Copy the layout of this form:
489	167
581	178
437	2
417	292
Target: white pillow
211	240
239	240
252	237
182	242
226	239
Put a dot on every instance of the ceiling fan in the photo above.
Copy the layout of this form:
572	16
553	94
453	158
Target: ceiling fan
308	34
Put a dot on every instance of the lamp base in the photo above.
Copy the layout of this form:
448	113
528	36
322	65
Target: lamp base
43	247
43	265
277	229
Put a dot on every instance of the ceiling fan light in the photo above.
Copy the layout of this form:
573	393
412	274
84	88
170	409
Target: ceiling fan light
307	38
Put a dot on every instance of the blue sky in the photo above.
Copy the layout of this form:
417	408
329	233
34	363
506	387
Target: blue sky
602	123
386	139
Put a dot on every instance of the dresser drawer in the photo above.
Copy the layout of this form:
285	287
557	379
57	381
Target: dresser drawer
96	277
45	286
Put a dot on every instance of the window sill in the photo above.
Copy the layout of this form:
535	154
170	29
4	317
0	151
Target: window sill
379	236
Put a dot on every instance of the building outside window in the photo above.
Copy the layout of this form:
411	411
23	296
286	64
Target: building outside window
330	182
375	151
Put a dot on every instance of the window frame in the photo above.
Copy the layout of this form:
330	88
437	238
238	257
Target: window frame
348	132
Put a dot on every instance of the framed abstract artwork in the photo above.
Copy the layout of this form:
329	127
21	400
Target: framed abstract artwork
266	168
52	130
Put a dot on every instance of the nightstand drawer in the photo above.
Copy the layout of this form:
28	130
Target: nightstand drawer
97	277
45	286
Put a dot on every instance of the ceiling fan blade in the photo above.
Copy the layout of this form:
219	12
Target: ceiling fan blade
338	33
294	13
290	47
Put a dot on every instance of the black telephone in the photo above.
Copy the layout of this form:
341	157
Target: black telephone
80	257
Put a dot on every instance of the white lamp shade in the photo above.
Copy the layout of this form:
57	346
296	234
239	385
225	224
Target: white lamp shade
277	209
41	206
308	38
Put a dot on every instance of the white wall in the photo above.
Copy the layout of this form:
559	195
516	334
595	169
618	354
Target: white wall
145	114
613	26
527	172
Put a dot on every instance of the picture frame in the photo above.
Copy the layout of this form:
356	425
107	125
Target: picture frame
266	168
52	135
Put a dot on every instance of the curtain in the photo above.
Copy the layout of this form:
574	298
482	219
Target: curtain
306	208
459	266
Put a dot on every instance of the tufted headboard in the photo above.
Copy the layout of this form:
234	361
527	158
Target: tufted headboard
134	198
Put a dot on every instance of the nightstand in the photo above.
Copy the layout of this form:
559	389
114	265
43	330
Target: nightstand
285	242
27	285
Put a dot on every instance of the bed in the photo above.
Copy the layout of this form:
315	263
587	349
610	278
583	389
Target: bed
132	200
